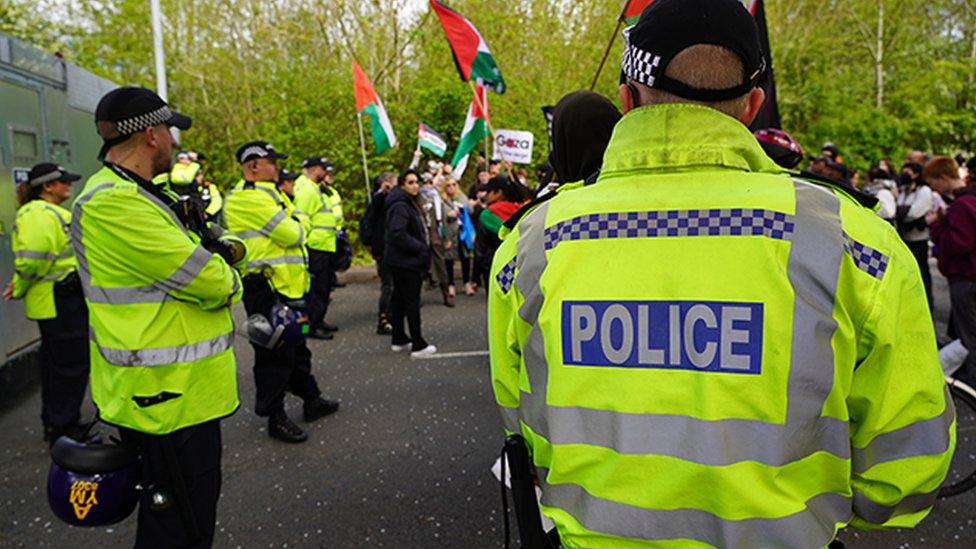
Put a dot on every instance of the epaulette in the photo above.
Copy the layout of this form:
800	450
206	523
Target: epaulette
861	198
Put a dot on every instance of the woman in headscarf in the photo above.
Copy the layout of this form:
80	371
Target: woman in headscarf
582	123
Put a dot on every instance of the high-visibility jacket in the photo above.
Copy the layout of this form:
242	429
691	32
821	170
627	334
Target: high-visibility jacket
274	233
310	199
183	174
42	256
162	334
335	203
701	350
216	200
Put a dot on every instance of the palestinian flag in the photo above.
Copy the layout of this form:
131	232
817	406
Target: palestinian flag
367	101
471	55
632	10
431	140
475	129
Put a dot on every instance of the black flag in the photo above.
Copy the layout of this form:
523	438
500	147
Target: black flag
769	114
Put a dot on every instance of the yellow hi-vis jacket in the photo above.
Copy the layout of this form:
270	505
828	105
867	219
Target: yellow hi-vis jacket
42	256
216	200
159	304
184	174
702	351
310	199
335	203
274	233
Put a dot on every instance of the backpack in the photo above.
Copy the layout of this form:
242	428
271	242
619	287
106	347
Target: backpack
367	225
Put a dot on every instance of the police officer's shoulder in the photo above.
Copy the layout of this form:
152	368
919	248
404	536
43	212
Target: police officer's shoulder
525	210
838	187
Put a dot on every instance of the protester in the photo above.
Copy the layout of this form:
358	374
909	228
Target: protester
433	208
954	236
880	185
501	201
582	123
457	225
373	233
914	201
407	254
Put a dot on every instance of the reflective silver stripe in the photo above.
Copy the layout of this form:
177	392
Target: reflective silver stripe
48	277
272	193
249	234
163	356
125	296
325	227
813	526
922	438
30	254
186	273
57	214
510	418
284	260
813	268
301	236
273	222
877	513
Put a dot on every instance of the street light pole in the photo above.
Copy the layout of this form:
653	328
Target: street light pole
160	55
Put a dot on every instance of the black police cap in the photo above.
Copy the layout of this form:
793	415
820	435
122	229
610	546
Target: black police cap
47	172
129	110
316	161
257	149
667	27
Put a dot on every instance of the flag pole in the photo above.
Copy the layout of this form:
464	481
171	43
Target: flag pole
362	148
484	109
606	52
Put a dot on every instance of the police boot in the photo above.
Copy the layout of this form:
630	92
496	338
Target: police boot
281	427
318	407
383	326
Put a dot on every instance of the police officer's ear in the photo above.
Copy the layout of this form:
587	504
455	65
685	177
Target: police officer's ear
754	103
629	97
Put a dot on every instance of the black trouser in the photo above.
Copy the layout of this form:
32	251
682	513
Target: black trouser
386	287
64	356
406	302
920	249
465	257
285	369
321	265
962	298
185	466
449	268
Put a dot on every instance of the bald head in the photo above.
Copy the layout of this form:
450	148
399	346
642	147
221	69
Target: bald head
704	66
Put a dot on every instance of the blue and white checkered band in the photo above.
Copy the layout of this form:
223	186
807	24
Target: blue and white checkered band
639	65
671	223
260	152
135	124
866	258
506	276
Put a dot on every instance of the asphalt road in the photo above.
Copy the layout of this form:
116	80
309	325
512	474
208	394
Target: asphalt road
404	463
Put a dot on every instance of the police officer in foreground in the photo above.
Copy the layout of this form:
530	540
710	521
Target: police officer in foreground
276	272
313	200
162	335
700	348
46	279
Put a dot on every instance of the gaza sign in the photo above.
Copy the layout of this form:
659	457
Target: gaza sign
514	146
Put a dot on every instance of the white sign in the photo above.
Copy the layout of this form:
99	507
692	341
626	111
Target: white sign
514	146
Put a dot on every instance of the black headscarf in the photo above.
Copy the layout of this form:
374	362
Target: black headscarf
582	123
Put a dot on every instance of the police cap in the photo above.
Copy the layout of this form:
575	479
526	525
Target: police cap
313	161
129	110
257	149
47	172
667	27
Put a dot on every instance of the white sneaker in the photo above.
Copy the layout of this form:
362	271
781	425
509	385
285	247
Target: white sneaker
400	348
425	352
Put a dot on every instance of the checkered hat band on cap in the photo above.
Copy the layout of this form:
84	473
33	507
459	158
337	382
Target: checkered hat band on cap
255	150
135	124
46	178
639	65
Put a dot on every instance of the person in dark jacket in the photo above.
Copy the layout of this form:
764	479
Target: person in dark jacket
502	200
954	236
582	123
407	255
376	212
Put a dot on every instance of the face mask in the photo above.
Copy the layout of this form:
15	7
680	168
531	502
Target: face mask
905	179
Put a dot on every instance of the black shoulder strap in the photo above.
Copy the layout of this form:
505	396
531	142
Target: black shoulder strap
863	199
511	222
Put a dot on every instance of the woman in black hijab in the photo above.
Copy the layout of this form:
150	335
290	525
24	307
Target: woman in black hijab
582	123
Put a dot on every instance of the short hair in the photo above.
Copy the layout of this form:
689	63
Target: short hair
941	166
386	175
405	173
704	66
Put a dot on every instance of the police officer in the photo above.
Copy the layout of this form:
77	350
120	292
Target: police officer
335	202
46	278
275	272
313	198
159	298
700	349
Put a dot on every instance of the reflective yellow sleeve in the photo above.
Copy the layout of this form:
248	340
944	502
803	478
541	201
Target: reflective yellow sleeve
503	346
281	224
902	420
306	199
35	248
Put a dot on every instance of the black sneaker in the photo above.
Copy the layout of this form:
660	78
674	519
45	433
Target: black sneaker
281	427
329	327
320	333
319	407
